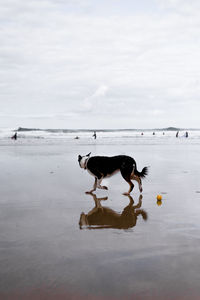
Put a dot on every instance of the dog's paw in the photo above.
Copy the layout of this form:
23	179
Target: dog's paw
126	194
104	187
88	192
140	198
104	198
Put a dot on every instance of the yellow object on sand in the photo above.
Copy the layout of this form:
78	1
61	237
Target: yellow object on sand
159	197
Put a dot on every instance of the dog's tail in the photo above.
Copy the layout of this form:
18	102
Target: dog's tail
142	174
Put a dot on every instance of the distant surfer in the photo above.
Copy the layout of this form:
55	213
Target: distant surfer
153	133
177	133
14	137
95	135
186	134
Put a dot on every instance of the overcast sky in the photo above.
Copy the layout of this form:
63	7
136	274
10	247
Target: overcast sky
99	63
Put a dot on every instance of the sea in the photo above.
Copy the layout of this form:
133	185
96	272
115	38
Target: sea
103	136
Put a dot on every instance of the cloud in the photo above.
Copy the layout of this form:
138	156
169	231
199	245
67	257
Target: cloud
92	102
181	6
69	60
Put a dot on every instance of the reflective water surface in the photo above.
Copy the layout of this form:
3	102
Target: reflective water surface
56	242
105	217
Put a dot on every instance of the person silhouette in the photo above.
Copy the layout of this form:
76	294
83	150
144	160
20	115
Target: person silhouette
95	135
14	137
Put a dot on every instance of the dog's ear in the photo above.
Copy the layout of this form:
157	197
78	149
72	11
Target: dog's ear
79	158
88	154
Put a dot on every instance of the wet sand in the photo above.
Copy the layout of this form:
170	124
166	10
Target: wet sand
149	250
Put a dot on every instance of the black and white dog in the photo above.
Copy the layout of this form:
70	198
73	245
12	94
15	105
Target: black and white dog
103	166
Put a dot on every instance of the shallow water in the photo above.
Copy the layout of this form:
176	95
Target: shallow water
147	252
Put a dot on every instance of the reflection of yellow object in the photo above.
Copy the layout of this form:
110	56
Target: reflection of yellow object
159	202
159	197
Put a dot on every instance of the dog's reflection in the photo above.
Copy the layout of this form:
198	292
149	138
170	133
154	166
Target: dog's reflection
105	217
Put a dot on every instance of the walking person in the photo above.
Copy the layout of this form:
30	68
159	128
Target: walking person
95	135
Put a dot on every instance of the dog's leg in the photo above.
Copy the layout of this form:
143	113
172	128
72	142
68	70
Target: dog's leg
130	188
126	174
94	187
97	202
139	181
103	187
98	180
139	204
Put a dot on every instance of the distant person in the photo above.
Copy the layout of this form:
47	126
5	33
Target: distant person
95	135
14	137
142	133
186	134
177	133
163	133
153	133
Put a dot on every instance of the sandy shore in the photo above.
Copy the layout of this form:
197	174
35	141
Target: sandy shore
45	254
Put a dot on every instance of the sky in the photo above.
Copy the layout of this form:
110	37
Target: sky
99	64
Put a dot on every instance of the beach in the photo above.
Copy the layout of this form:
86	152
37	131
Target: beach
46	255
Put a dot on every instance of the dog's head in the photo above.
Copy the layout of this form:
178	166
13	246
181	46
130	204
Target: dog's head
83	160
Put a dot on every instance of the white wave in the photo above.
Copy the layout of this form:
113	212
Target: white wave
103	137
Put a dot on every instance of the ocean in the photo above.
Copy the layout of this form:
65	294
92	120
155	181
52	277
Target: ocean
108	136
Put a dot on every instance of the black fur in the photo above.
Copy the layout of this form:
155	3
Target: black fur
102	166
